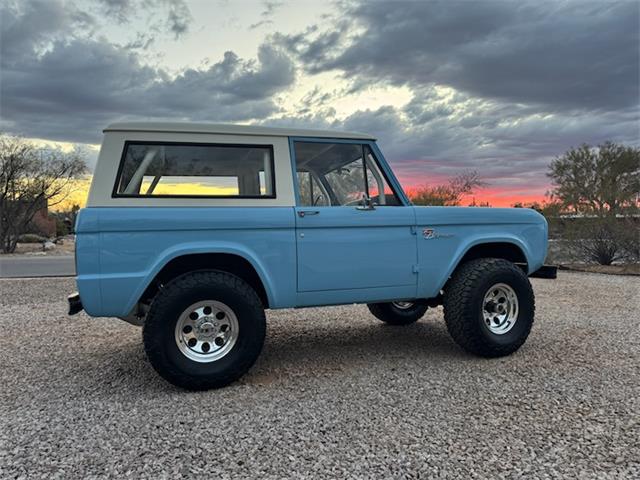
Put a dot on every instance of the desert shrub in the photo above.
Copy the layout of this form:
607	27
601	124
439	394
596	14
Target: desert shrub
603	240
31	238
62	227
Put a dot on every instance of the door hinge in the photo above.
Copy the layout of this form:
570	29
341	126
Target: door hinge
415	269
413	229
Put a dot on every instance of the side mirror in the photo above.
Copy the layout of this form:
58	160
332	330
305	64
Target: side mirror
367	203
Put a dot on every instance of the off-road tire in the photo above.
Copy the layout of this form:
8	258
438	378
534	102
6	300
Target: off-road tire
392	315
172	300
463	306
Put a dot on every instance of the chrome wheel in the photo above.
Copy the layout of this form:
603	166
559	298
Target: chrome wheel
500	308
206	331
402	305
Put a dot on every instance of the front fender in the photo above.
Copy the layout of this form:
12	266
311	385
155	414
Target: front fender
437	263
480	240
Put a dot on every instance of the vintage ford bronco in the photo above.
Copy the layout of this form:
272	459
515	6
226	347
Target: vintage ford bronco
193	230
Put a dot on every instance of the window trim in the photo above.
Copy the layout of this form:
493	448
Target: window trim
378	159
127	143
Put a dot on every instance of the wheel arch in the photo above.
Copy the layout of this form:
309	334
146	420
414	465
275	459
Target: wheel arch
507	250
228	258
510	249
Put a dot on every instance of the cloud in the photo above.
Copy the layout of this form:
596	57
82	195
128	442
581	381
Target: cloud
557	55
270	8
501	87
119	9
74	88
30	26
178	16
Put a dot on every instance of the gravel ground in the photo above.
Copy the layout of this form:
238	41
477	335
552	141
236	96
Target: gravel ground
335	394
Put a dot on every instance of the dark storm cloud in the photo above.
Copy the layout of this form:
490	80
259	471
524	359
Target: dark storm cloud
559	55
506	144
71	90
500	87
509	145
526	80
32	24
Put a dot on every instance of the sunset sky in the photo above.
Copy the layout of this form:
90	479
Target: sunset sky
500	87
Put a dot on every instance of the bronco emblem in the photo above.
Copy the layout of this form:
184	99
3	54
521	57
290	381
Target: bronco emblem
428	233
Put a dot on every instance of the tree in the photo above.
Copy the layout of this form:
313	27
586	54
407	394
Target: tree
31	178
601	186
450	193
599	181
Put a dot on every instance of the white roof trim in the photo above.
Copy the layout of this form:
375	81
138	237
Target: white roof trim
228	129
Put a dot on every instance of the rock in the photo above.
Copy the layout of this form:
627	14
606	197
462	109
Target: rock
47	246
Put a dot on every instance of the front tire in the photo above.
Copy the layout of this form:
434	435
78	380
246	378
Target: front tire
204	330
489	307
398	313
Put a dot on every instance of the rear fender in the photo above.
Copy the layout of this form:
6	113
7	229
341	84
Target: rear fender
198	248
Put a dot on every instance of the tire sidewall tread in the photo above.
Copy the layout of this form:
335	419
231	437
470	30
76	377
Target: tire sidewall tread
392	315
159	329
463	299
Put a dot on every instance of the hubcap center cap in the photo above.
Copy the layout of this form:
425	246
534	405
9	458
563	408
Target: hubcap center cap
206	328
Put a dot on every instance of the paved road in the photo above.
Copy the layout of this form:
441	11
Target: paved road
37	266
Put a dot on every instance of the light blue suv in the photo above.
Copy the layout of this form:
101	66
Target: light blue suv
193	230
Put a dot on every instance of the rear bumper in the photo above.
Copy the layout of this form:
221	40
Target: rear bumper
75	304
546	271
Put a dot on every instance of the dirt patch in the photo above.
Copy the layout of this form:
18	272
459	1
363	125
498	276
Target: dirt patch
627	269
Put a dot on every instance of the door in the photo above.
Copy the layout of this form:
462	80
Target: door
352	230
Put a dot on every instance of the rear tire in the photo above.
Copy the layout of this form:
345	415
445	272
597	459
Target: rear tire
398	313
489	307
204	330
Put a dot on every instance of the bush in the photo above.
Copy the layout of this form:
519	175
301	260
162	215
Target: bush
630	239
603	240
31	238
62	227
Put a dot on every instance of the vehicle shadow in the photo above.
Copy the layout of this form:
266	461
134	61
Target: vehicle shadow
329	349
341	347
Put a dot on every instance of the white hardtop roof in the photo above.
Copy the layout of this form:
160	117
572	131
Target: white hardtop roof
228	129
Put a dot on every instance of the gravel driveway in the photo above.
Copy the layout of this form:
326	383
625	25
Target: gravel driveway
335	394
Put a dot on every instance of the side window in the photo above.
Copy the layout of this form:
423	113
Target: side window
196	170
336	174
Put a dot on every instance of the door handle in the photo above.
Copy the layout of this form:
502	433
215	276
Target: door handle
304	213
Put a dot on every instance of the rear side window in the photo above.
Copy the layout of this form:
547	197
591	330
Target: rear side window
195	170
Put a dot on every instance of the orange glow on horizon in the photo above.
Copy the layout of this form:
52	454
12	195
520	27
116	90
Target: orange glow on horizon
500	199
496	197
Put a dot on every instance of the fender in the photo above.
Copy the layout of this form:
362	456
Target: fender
429	285
204	247
487	239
